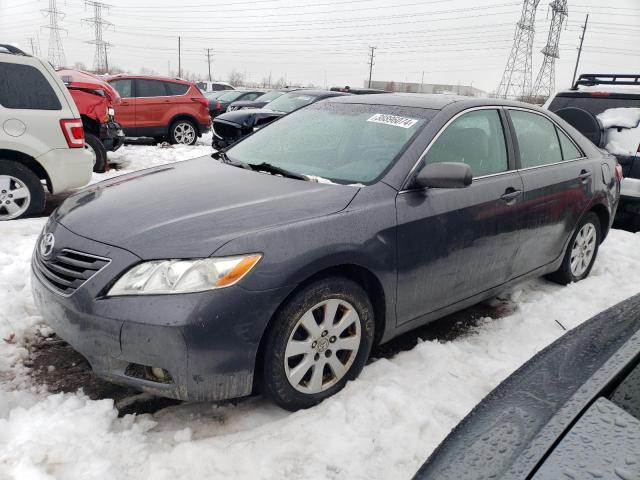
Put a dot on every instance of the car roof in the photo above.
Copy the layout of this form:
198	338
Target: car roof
433	101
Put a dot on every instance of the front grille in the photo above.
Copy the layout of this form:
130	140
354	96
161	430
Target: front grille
66	271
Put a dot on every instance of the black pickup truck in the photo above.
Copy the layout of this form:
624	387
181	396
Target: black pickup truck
606	109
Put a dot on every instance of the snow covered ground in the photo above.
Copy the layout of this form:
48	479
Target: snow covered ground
381	426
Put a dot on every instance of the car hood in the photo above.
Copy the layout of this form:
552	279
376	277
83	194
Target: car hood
249	118
192	208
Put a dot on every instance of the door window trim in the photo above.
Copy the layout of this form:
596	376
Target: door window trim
506	132
555	124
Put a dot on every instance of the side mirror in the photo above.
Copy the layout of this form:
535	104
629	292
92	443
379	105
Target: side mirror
444	175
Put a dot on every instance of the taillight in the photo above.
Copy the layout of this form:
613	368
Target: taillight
599	94
218	105
73	132
618	171
201	100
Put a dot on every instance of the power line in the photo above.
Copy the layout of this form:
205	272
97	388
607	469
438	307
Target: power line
100	58
56	51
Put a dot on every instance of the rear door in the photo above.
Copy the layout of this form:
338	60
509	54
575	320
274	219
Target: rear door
456	243
152	106
126	110
559	184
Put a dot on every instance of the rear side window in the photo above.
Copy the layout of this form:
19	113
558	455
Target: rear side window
24	86
569	150
176	88
124	87
538	142
150	88
475	138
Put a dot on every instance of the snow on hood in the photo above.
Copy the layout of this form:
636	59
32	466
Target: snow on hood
623	130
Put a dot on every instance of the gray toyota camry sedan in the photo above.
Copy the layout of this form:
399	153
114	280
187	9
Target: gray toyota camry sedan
276	265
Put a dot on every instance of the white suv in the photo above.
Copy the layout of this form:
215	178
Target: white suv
41	135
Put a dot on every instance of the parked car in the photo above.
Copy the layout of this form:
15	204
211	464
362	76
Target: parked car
41	135
207	86
259	102
161	108
341	225
232	126
572	411
96	100
606	108
220	104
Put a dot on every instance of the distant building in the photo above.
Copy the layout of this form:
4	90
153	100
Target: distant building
392	86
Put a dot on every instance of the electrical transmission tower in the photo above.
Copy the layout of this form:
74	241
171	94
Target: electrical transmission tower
56	52
516	79
100	58
546	81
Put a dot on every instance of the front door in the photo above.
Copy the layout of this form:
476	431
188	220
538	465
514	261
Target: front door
558	187
455	243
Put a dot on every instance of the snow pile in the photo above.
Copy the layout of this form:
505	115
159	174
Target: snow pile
623	130
383	425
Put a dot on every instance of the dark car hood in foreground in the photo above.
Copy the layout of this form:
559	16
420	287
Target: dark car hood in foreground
249	118
510	433
190	209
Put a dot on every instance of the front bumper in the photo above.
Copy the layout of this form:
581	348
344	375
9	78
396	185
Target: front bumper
112	135
207	342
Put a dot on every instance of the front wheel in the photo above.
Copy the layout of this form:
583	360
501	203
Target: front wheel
96	148
183	132
581	251
320	339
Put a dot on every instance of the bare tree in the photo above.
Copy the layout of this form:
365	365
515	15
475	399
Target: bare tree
147	71
236	78
79	66
280	83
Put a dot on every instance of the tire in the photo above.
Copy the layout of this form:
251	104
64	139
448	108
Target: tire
183	132
298	389
566	273
96	148
15	177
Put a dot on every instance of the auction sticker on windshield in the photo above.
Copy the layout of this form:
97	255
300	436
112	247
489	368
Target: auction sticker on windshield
394	120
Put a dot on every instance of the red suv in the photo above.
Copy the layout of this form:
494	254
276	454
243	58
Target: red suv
161	107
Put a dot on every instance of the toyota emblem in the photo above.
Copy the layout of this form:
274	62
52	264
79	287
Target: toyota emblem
46	244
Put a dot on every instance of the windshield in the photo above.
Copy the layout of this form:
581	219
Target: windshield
291	101
269	96
230	95
343	143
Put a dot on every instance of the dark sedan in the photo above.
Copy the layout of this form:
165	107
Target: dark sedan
220	103
571	412
232	126
259	102
341	225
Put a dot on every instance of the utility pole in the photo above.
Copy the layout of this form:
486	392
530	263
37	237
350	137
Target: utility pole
584	31
371	56
209	61
422	83
100	62
179	60
56	52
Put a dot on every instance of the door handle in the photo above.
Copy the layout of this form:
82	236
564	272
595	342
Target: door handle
510	194
125	103
584	176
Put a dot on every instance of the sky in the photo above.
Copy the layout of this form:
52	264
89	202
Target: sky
327	42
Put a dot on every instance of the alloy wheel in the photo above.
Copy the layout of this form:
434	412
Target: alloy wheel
322	346
583	249
184	133
15	197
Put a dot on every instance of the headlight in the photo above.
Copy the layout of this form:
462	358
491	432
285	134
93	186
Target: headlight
111	111
183	276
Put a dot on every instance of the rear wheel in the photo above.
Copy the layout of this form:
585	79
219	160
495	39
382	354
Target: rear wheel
21	193
581	251
320	339
96	148
183	132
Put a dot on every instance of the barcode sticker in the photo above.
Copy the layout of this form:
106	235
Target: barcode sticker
394	120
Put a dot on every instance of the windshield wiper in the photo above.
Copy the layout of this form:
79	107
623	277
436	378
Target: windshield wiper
272	169
224	158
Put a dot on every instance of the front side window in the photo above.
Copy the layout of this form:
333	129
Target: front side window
343	143
124	87
150	88
475	138
25	87
537	139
